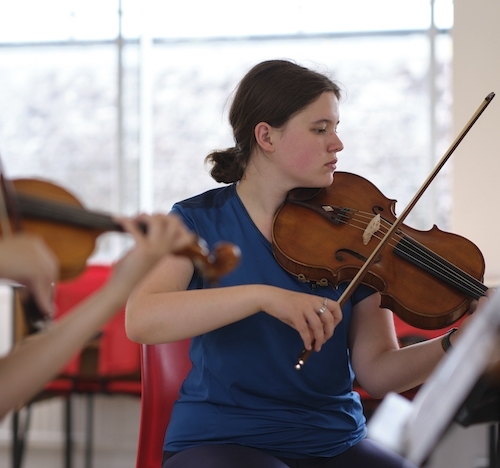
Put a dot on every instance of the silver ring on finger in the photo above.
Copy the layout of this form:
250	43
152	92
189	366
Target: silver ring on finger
321	311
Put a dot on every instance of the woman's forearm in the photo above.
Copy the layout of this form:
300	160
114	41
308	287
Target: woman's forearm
172	316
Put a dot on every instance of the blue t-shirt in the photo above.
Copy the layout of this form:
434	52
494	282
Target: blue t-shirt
243	387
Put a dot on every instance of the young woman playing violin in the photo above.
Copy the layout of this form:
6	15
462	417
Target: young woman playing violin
26	259
243	403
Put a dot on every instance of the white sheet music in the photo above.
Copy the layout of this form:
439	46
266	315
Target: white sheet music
414	428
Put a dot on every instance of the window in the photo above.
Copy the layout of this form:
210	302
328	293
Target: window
122	108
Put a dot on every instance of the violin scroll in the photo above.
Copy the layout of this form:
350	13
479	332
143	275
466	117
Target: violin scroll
212	265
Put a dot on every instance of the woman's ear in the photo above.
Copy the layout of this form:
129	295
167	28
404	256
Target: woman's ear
264	136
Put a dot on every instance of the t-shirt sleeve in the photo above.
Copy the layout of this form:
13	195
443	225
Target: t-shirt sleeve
197	279
362	292
180	211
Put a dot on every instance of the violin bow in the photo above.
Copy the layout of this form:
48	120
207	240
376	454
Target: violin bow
304	355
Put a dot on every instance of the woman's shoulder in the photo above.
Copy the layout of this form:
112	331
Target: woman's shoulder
203	212
211	198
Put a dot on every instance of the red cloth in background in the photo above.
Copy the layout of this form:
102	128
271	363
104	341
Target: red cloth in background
117	354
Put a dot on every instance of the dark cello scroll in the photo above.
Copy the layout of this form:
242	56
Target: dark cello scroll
381	232
70	231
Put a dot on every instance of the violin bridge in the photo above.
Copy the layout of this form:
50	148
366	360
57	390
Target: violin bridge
372	228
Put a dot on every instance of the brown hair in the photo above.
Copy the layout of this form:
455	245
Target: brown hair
272	91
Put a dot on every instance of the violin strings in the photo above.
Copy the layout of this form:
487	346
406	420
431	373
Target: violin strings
440	266
437	265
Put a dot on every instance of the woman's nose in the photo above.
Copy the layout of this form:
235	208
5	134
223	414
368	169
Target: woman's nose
335	144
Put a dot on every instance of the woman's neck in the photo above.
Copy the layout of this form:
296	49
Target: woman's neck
261	199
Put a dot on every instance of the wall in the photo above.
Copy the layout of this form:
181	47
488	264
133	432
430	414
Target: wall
476	185
476	163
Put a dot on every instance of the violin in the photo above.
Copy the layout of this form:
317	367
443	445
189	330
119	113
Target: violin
427	278
379	226
40	207
71	231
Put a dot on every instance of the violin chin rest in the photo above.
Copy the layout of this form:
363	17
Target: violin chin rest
303	194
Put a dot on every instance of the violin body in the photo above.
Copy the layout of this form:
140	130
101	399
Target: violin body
71	244
428	278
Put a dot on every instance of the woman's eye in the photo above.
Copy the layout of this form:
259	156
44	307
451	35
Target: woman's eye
321	130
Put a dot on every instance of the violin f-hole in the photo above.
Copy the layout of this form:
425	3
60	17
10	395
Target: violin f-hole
352	253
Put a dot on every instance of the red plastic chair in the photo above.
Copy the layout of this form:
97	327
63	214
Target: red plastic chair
163	367
108	364
118	356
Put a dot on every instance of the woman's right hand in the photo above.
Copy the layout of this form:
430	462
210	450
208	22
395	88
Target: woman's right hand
314	317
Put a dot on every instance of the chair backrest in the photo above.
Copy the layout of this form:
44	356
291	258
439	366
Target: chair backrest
163	367
117	356
108	363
